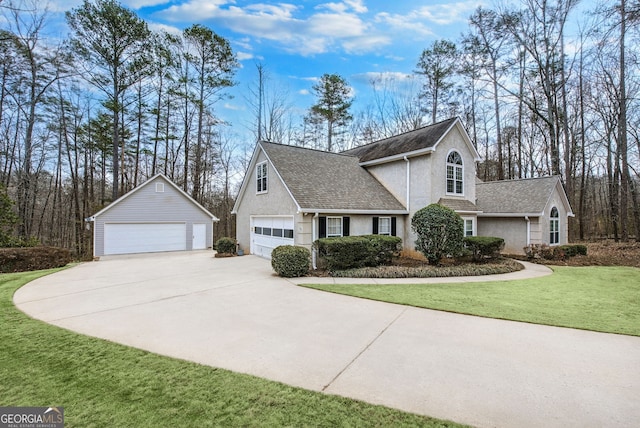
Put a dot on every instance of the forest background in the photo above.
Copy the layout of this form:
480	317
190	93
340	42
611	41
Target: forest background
86	119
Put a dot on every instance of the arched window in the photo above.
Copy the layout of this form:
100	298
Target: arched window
554	226
455	183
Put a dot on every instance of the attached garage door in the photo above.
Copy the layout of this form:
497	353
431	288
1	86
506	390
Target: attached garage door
128	238
269	232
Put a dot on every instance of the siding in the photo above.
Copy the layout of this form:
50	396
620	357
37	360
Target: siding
146	205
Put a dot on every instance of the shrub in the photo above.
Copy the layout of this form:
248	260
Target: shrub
574	250
385	248
440	232
350	252
226	245
289	261
33	258
484	246
346	252
539	251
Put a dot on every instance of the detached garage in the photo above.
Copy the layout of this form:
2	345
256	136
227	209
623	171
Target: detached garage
154	217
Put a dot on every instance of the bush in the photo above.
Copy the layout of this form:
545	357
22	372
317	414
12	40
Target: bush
351	252
289	261
33	258
574	250
440	232
544	251
346	252
385	248
484	246
226	245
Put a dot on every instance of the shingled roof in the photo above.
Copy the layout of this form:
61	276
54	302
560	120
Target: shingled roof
412	141
321	180
526	197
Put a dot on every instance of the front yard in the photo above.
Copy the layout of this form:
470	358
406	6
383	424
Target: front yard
103	384
605	299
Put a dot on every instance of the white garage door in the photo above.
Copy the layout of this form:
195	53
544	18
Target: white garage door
128	238
269	232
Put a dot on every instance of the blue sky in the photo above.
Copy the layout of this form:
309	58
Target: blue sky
298	41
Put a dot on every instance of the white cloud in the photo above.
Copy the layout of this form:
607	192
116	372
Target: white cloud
243	56
448	13
329	27
137	4
304	92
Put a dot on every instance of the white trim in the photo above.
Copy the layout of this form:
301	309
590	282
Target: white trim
515	215
455	167
379	225
341	226
341	211
259	178
400	156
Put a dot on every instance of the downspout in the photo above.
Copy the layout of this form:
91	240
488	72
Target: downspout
526	218
406	159
313	240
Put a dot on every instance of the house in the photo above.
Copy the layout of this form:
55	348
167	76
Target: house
155	216
540	204
293	195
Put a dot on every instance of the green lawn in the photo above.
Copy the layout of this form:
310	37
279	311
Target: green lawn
102	384
603	299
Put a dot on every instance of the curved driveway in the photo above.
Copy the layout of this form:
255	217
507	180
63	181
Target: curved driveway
235	314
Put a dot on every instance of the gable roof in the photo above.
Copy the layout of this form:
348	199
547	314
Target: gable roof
319	181
525	197
311	176
412	143
143	185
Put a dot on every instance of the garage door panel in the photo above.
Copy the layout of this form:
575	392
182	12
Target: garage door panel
270	232
129	238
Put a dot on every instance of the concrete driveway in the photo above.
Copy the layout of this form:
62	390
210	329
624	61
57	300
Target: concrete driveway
235	314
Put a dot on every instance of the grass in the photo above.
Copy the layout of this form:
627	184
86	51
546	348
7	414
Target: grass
605	299
101	384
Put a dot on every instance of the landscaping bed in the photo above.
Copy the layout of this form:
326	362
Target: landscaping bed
602	253
408	267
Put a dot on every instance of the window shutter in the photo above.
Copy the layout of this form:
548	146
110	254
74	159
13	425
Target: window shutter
375	225
393	226
345	226
322	227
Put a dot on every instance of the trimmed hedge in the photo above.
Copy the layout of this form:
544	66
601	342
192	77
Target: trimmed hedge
484	247
290	261
33	258
351	252
226	245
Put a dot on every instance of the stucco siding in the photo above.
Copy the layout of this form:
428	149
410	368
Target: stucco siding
452	141
393	176
512	230
147	205
275	201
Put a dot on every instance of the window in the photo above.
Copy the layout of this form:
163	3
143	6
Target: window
384	226
258	230
334	226
159	187
261	174
277	233
554	227
468	227
288	233
454	174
